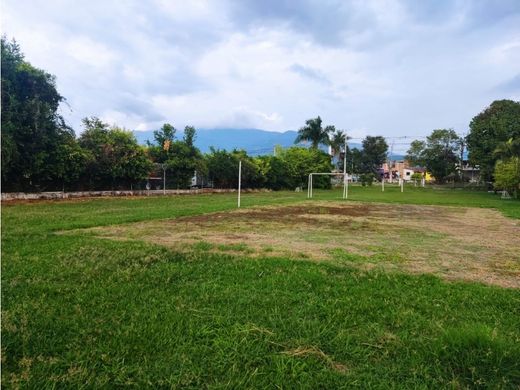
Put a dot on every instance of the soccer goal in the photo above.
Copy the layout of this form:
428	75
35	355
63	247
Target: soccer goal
345	182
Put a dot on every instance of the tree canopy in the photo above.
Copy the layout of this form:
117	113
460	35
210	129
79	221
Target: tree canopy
338	143
415	154
223	168
164	136
35	138
497	123
373	154
314	133
438	154
302	161
338	140
40	152
507	167
115	157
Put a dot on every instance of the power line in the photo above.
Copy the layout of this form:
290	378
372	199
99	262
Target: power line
393	139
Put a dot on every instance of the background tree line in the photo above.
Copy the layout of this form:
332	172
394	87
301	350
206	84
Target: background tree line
492	145
40	152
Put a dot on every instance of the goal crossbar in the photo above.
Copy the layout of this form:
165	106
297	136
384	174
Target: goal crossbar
345	182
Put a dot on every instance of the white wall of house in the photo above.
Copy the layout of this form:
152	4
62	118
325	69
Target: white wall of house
407	174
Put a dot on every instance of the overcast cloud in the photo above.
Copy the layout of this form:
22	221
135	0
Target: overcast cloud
381	67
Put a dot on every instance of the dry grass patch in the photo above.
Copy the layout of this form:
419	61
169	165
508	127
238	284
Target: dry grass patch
456	243
317	353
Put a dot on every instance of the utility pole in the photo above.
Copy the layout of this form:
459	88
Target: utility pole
239	180
461	166
345	179
390	172
446	146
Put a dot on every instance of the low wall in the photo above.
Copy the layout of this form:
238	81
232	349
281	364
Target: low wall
9	196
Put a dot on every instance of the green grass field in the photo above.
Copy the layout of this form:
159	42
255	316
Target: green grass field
80	310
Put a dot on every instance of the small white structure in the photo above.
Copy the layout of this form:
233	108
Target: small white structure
505	195
407	174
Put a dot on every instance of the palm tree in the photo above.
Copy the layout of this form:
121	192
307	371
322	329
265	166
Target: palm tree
508	149
314	132
338	140
337	143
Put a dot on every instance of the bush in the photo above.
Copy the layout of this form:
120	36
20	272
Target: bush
417	176
367	179
507	175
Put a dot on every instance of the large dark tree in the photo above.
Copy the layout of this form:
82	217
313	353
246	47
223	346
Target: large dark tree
116	160
414	155
180	158
184	160
439	153
273	172
189	136
314	133
223	168
165	135
496	124
354	161
164	138
508	149
302	161
373	154
35	139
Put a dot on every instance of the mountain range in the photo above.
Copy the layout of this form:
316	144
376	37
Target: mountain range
254	141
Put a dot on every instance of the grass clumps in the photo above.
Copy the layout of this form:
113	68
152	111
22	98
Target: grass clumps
240	247
83	311
341	254
203	246
476	356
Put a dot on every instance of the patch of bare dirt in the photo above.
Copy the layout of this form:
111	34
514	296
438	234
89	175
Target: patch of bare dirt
456	243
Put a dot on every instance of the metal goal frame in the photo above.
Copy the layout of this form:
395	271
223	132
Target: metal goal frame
345	182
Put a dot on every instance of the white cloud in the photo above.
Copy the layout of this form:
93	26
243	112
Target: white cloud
371	67
192	11
91	53
506	52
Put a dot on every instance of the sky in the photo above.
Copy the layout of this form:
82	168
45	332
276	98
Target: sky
370	67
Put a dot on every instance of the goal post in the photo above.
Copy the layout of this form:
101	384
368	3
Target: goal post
310	182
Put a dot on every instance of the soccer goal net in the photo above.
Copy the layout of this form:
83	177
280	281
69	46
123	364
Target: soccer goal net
313	174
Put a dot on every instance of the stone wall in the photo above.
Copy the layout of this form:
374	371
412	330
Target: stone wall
8	196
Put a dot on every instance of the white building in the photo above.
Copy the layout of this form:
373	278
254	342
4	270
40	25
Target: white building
407	174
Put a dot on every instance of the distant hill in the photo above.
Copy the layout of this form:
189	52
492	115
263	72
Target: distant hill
254	141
